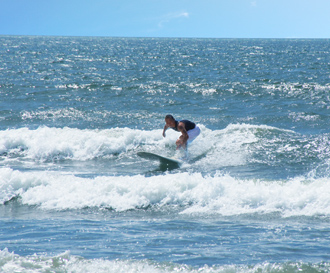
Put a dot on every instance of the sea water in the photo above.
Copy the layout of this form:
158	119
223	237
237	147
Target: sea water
253	196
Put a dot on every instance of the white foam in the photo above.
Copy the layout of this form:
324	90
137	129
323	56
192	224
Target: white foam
195	193
296	197
231	146
65	262
47	143
226	147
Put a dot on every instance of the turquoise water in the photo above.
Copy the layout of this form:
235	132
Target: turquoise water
253	195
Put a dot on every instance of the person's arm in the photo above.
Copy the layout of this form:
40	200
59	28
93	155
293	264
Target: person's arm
165	128
184	137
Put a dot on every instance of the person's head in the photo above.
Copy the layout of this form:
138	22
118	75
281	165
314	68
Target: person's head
170	120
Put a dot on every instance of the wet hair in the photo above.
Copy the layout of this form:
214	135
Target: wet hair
169	117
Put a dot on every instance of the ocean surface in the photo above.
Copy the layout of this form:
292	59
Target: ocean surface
252	196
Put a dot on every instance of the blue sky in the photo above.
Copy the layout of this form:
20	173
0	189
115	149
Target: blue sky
167	18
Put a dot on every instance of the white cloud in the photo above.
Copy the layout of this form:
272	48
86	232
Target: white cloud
171	16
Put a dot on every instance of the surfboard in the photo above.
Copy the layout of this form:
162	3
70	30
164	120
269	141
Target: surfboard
167	162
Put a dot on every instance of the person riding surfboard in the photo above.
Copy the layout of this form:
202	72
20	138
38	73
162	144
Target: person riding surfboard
188	129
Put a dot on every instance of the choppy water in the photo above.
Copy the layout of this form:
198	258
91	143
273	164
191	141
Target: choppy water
252	197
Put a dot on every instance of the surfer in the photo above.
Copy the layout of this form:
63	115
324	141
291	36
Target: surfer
189	130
